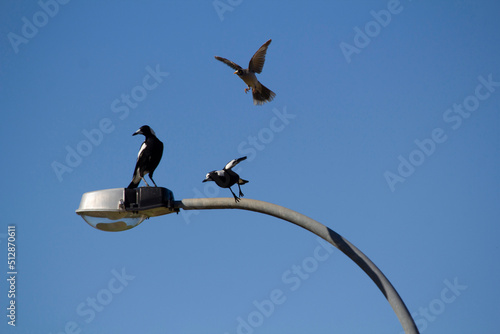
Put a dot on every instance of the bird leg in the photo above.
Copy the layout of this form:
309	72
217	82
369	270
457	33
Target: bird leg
247	89
236	199
144	180
153	180
241	194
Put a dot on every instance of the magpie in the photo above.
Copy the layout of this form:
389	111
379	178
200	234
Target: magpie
225	178
148	158
261	94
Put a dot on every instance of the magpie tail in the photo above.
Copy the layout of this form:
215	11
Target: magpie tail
241	181
262	95
132	185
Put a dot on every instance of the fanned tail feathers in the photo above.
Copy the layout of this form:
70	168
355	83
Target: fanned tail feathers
262	95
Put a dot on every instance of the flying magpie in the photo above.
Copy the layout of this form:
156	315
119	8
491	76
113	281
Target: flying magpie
225	178
148	158
261	94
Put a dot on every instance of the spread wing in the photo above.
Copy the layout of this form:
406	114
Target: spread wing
229	63
257	62
233	163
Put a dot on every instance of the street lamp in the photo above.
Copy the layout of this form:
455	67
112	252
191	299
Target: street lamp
121	209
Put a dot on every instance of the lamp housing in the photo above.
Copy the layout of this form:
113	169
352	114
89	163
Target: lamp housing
120	209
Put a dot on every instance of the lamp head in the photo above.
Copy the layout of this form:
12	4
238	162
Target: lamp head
121	209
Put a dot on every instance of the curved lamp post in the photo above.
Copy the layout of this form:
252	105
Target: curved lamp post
141	203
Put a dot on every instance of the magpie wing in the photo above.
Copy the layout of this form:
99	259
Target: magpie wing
229	63
257	62
233	163
149	156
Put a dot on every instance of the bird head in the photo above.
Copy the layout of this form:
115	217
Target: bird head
239	72
208	177
144	130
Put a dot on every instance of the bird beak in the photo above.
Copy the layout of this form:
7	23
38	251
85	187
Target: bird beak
236	72
138	132
205	180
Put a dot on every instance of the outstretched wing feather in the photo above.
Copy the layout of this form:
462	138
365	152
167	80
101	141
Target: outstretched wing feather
257	62
231	164
229	63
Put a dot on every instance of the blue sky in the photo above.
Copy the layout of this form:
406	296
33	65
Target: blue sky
385	128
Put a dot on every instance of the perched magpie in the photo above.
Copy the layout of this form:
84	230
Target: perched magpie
225	178
261	94
148	158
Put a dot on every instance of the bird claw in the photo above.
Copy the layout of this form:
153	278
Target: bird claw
247	89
